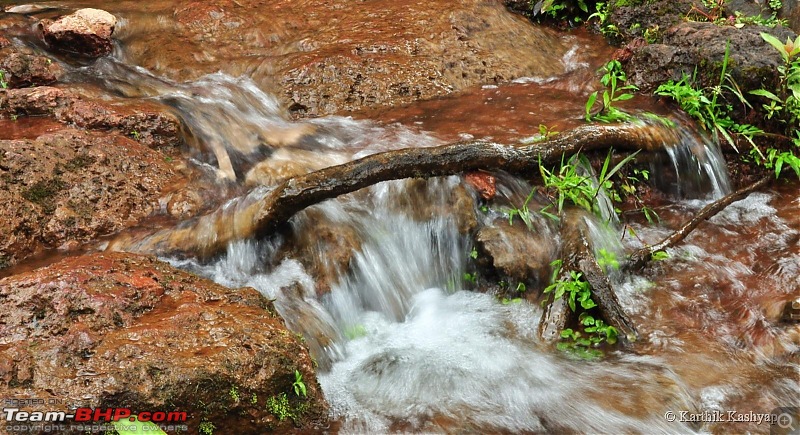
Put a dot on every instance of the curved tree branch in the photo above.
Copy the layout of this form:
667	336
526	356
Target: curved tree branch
262	210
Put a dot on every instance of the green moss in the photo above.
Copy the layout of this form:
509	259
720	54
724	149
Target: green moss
282	409
43	193
79	162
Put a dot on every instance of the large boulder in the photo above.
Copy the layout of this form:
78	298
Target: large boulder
120	330
86	32
69	187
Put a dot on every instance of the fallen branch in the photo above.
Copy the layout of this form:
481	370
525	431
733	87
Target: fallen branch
261	211
640	257
577	255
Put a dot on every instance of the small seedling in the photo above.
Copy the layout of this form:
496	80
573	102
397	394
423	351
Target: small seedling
299	386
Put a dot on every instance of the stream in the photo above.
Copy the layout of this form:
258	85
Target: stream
402	341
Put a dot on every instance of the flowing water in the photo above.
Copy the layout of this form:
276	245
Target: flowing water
404	343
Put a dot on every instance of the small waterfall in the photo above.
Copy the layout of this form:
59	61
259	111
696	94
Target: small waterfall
696	168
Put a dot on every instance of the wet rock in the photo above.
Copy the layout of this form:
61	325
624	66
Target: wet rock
22	67
689	45
484	182
86	32
791	12
109	330
72	186
518	253
327	57
146	122
29	8
285	163
424	200
324	247
184	203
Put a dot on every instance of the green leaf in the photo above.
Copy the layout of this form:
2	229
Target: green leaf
775	42
659	255
766	93
589	104
623	97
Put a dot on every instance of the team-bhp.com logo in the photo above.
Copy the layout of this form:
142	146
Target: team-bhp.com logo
83	415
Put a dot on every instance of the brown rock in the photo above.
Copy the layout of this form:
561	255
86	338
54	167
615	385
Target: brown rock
86	32
484	182
113	329
22	67
73	186
515	251
324	247
691	45
147	122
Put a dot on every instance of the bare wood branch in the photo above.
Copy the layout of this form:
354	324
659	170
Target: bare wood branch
640	257
262	210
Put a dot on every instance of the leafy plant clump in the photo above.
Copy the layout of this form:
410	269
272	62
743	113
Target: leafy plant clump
614	79
784	106
579	294
282	409
713	11
709	105
582	190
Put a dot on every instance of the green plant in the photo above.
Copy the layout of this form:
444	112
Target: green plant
355	331
3	82
136	135
298	385
652	34
595	331
544	134
607	259
254	399
581	190
279	407
234	393
473	254
207	428
132	426
470	277
659	255
784	103
576	289
613	79
602	15
776	160
706	104
523	212
558	9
